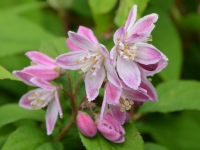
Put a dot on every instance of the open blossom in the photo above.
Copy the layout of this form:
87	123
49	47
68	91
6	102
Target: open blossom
110	129
120	100
42	66
91	58
39	98
131	50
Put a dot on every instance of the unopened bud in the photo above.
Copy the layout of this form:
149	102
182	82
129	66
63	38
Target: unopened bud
110	129
86	125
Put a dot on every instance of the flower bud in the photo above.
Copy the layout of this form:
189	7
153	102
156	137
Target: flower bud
110	129
86	125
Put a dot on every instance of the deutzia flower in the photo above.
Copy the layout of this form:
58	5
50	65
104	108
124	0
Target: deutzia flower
90	58
45	95
131	50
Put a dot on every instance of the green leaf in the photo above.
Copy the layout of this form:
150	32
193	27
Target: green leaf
25	138
152	146
50	146
175	96
132	137
125	7
102	6
167	40
12	112
54	48
4	74
20	37
178	131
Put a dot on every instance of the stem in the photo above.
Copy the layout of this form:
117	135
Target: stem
78	85
65	130
70	84
70	97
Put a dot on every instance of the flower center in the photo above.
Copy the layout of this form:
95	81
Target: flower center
128	51
92	62
41	98
125	104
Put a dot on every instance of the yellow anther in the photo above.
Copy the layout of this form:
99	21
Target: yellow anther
94	60
126	34
85	58
131	102
57	69
77	61
33	63
93	68
80	72
34	107
126	46
122	108
91	77
150	37
118	39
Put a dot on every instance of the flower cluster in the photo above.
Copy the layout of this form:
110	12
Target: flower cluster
122	73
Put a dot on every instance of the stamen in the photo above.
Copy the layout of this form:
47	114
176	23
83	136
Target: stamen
77	61
125	104
93	68
57	69
150	38
85	58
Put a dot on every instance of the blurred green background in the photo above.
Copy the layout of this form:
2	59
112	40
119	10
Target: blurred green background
174	122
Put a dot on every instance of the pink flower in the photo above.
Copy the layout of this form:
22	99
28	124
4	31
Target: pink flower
121	100
111	130
39	98
86	125
42	67
91	58
132	52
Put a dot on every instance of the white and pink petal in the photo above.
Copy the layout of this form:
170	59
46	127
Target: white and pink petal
51	116
129	72
81	41
40	59
71	60
88	33
93	83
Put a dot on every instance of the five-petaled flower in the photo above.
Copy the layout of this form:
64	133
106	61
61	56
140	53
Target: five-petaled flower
91	58
132	52
46	94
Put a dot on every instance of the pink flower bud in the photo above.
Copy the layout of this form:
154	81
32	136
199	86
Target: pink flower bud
111	130
85	124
